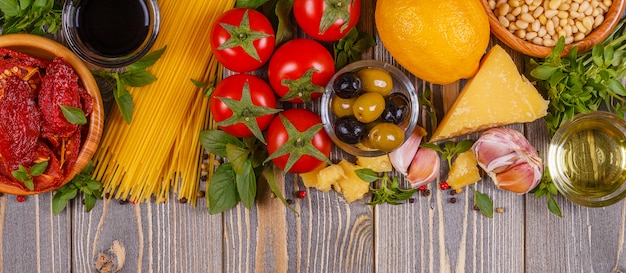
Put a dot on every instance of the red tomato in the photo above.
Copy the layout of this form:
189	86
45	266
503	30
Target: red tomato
280	138
260	95
242	39
327	22
287	70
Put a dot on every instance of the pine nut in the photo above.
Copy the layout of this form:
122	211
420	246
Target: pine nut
503	21
554	4
531	35
526	17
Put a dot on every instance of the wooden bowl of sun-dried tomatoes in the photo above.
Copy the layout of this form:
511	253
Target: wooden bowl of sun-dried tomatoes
51	114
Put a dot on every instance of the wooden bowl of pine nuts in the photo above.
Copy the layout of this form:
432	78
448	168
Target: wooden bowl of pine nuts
532	27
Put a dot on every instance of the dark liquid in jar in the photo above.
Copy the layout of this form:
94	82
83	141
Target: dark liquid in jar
112	28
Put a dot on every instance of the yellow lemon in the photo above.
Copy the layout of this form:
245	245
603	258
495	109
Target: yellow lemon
439	41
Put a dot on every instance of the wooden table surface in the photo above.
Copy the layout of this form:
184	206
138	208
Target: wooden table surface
328	235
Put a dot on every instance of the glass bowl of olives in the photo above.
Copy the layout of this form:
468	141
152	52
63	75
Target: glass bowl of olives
369	108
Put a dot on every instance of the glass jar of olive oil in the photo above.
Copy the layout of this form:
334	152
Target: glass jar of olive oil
587	159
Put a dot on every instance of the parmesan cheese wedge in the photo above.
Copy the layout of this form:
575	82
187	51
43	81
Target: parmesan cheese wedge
497	95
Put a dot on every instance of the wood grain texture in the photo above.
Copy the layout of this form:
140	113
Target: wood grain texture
327	234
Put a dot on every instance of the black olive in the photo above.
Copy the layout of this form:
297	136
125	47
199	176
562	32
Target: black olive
347	85
396	108
350	130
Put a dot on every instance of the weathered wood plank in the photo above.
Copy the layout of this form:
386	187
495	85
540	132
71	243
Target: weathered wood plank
169	237
33	239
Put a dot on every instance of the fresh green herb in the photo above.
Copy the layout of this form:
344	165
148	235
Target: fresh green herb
426	101
583	83
450	148
26	176
33	16
74	115
388	190
135	75
208	88
483	202
270	177
253	4
547	188
82	182
285	29
351	47
235	180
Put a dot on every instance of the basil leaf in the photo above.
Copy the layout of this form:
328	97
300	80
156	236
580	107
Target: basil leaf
70	194
246	185
238	157
214	141
543	72
148	60
553	206
366	175
58	204
74	115
484	203
90	202
20	174
124	101
222	194
270	177
285	30
463	146
432	146
137	77
253	4
10	8
38	168
616	87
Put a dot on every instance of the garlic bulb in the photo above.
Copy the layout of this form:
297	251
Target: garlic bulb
424	167
420	165
509	159
401	158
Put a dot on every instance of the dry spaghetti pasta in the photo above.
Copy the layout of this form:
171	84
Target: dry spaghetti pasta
159	151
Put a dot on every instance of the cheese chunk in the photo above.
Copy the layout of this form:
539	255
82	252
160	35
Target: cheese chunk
497	95
464	171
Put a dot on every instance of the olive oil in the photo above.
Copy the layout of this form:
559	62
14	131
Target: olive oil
112	28
588	161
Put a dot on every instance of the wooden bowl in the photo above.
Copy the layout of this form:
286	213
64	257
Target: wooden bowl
611	19
48	49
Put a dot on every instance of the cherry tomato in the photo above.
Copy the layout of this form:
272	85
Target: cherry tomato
326	20
246	92
242	39
293	133
300	69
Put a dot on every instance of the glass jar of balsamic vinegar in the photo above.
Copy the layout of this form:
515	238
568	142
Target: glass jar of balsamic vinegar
110	33
587	159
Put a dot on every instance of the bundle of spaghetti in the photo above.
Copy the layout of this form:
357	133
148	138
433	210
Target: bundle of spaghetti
159	150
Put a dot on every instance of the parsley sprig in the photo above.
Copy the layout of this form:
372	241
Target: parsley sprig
82	182
583	83
135	75
547	188
388	190
450	148
33	16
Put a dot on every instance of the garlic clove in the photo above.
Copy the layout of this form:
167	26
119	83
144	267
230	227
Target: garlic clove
401	157
509	159
520	178
424	167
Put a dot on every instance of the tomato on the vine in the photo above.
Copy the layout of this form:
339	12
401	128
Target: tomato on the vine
243	105
300	69
242	39
327	20
297	142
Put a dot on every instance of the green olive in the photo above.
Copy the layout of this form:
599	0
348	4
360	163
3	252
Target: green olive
376	80
386	136
368	107
342	107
